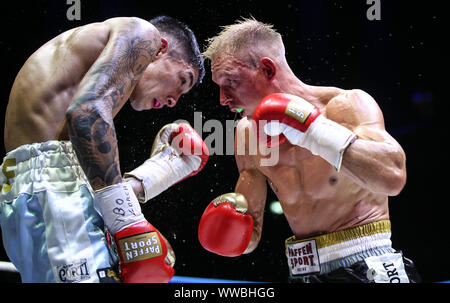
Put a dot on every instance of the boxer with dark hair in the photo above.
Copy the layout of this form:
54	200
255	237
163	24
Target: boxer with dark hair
62	189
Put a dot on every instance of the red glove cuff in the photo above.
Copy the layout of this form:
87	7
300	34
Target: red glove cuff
142	251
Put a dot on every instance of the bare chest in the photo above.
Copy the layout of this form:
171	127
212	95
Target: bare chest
296	174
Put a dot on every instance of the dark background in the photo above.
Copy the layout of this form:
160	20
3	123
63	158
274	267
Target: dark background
398	60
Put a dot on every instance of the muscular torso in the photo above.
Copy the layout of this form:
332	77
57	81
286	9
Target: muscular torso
315	197
45	85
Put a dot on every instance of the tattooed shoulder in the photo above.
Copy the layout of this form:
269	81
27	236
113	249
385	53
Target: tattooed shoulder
138	42
107	86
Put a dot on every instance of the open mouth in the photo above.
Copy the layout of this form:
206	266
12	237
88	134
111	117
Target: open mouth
156	103
236	110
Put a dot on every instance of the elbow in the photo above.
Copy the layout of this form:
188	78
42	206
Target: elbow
70	114
80	121
253	244
72	111
395	182
395	175
73	123
250	248
389	177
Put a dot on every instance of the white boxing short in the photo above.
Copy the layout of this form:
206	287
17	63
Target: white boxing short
51	229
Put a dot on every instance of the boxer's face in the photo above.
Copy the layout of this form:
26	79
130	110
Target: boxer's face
241	86
163	83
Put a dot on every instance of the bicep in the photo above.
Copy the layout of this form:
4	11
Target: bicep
375	160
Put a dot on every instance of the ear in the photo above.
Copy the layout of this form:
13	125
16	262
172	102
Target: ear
164	47
268	67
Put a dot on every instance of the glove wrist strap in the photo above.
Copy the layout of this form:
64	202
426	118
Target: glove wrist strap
329	140
162	171
118	206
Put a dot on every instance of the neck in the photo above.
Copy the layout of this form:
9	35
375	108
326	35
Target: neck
287	82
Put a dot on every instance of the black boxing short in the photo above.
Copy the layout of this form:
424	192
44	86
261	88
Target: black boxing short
361	254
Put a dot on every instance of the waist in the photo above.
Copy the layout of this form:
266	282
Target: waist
31	167
28	151
341	248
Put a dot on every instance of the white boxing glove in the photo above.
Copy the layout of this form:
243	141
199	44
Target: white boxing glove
178	152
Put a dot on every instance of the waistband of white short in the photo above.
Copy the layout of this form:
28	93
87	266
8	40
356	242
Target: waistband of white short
33	150
52	164
351	241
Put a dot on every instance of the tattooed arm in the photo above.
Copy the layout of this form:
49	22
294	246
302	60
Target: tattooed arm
105	88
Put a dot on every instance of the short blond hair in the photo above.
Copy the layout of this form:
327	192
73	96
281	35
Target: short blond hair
240	36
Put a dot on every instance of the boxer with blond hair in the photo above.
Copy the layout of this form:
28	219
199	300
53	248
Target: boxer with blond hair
337	166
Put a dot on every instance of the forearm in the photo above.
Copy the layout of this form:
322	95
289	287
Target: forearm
253	186
104	89
378	166
89	144
95	144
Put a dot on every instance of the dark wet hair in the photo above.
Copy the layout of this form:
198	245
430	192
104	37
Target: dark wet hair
180	35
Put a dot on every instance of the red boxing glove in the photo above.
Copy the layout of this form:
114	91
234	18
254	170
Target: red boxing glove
224	227
144	255
178	153
298	114
299	121
189	143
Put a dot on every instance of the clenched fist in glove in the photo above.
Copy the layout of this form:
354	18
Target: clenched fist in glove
145	255
302	124
178	152
225	228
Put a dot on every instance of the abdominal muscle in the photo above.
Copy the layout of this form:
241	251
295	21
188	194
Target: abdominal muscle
316	199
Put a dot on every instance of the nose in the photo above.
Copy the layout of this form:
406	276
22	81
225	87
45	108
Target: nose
224	98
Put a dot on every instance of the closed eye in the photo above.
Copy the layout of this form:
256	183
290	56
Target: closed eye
184	79
183	86
232	82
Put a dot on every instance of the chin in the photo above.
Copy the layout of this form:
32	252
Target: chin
247	113
136	106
